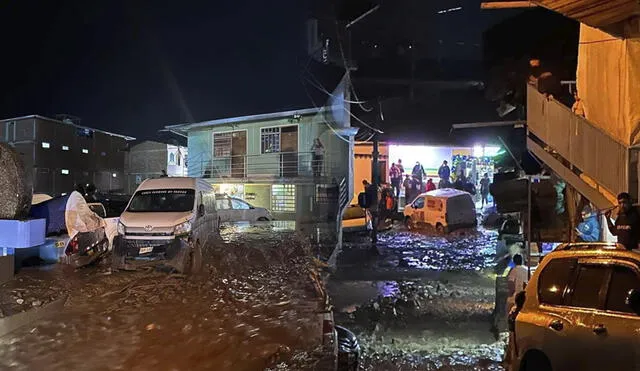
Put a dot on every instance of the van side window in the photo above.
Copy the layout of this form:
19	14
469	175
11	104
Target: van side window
419	203
554	280
623	280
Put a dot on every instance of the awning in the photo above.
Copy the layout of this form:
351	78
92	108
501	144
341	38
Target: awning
595	13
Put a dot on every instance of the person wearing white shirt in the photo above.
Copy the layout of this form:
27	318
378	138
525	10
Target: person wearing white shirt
517	280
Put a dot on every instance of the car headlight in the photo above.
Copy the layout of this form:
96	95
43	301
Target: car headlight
183	228
121	228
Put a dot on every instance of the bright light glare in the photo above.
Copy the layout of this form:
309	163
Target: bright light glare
430	157
478	151
491	151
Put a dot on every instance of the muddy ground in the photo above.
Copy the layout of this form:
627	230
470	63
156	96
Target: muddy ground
420	301
254	307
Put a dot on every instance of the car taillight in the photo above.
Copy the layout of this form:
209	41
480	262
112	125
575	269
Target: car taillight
72	248
328	329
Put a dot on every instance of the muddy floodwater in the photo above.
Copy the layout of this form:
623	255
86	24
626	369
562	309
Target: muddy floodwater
419	301
252	308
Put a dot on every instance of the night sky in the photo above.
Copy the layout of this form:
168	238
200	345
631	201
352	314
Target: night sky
133	67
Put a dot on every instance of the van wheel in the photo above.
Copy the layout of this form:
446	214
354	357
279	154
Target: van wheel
408	223
440	229
195	258
118	254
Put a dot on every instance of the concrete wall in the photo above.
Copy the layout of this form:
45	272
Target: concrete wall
258	195
145	160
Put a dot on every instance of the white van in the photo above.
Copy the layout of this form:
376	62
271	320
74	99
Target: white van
168	218
444	209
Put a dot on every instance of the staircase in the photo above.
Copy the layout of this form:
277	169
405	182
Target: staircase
343	203
585	156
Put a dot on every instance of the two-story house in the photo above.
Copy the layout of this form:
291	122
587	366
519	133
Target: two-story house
270	161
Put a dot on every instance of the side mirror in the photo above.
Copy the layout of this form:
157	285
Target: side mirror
633	300
201	210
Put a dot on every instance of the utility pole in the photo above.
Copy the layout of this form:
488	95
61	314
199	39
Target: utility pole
375	182
375	166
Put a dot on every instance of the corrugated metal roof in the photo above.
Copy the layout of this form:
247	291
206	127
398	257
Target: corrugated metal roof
595	13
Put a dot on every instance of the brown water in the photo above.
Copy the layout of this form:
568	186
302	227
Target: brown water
253	307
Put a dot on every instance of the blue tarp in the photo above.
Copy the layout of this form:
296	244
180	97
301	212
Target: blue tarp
53	212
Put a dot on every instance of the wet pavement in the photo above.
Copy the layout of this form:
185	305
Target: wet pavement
254	306
419	301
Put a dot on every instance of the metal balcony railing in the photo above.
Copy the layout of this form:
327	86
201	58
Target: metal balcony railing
274	165
584	145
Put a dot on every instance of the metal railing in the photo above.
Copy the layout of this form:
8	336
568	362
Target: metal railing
280	165
587	147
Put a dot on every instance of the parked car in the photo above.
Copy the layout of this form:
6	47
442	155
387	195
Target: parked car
167	218
443	209
233	209
348	350
581	311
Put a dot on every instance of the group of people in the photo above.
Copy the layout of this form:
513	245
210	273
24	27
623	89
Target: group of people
379	201
414	184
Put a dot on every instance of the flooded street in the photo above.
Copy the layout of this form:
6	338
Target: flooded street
252	308
420	301
416	302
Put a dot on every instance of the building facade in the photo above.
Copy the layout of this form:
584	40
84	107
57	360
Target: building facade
269	161
148	159
62	154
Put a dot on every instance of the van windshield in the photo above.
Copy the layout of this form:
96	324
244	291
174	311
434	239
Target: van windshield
162	200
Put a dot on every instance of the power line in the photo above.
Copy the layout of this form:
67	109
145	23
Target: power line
323	89
321	113
318	86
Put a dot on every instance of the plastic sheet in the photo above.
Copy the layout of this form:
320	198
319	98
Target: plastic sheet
607	77
79	218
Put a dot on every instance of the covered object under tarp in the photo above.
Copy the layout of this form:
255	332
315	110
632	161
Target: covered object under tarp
608	77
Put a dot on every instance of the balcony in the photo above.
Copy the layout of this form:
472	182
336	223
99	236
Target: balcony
577	150
293	166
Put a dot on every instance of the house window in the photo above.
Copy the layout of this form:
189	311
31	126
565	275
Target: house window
222	145
283	198
65	148
46	145
64	172
270	139
84	150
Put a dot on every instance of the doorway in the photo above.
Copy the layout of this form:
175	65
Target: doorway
289	151
239	154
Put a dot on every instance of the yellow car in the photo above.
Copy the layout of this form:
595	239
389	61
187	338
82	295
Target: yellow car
581	312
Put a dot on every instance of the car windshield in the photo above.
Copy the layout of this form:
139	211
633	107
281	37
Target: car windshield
162	200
